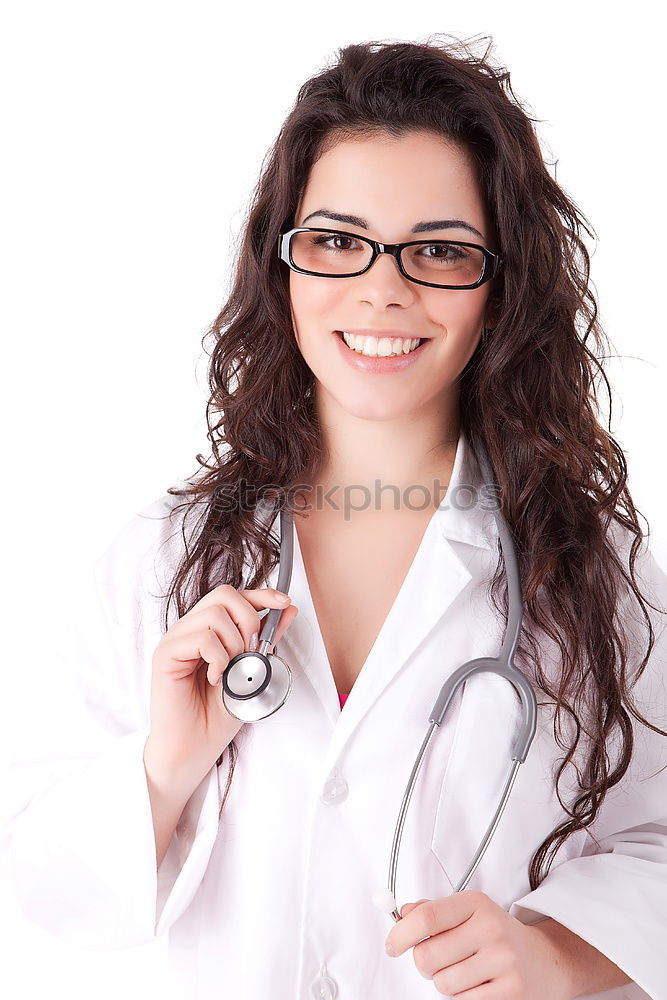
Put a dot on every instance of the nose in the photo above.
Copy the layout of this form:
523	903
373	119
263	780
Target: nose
385	255
383	279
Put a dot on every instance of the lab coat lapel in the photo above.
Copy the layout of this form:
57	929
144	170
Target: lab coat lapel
435	579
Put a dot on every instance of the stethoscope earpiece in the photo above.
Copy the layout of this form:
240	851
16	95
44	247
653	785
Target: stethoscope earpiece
384	900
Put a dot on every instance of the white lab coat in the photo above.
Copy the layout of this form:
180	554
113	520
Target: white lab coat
275	900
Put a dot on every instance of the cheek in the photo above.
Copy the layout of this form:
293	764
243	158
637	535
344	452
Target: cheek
309	295
460	314
458	318
315	307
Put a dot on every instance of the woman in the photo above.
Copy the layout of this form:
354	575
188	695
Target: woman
271	838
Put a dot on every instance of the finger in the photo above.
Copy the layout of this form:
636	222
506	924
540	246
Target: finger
412	927
234	642
256	597
247	618
409	907
286	620
228	595
433	916
234	635
233	606
185	651
463	975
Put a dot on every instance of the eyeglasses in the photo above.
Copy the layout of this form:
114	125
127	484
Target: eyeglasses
436	263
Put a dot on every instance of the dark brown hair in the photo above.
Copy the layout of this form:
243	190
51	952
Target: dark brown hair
529	391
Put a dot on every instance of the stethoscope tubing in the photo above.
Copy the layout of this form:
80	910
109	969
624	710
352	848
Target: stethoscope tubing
256	684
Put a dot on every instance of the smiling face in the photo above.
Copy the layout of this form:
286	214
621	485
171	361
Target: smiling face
391	185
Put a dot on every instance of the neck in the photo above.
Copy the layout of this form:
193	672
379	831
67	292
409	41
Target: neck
404	461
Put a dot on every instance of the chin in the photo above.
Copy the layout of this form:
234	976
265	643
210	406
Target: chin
374	407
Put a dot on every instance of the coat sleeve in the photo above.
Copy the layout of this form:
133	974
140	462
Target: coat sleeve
614	895
79	834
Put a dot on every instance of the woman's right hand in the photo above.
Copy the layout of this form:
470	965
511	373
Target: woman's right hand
189	724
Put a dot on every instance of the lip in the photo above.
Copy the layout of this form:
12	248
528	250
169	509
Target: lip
379	366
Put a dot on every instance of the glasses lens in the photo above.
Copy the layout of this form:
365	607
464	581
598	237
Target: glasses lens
325	252
443	263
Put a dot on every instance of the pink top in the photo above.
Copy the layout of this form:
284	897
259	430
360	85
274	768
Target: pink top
343	698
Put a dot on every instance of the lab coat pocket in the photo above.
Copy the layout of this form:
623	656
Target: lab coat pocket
478	767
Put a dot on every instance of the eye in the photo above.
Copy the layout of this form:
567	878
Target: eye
324	239
442	249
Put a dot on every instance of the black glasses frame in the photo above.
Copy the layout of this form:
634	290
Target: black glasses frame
491	267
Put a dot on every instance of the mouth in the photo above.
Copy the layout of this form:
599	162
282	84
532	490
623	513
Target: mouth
392	364
420	343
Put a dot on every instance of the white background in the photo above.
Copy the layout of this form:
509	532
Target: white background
133	134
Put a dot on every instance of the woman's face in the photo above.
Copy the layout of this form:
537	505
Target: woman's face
392	185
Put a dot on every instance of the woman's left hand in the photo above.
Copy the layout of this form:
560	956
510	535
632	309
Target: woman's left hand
474	947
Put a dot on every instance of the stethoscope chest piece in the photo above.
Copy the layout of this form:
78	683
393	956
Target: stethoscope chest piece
255	685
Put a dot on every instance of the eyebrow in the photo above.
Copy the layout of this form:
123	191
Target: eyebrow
419	227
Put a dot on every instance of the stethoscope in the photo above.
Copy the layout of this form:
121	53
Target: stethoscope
256	684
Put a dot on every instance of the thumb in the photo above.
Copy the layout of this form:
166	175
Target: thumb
409	907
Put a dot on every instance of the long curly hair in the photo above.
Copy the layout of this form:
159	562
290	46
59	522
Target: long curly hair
528	392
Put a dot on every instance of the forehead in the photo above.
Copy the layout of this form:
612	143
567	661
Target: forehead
394	182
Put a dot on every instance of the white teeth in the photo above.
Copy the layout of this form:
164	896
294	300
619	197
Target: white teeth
382	347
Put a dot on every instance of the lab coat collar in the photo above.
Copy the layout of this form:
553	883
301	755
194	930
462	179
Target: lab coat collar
465	514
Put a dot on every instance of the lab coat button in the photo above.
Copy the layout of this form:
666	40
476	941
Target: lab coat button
335	791
324	988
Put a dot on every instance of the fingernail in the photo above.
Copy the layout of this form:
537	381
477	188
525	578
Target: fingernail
390	950
283	597
253	642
